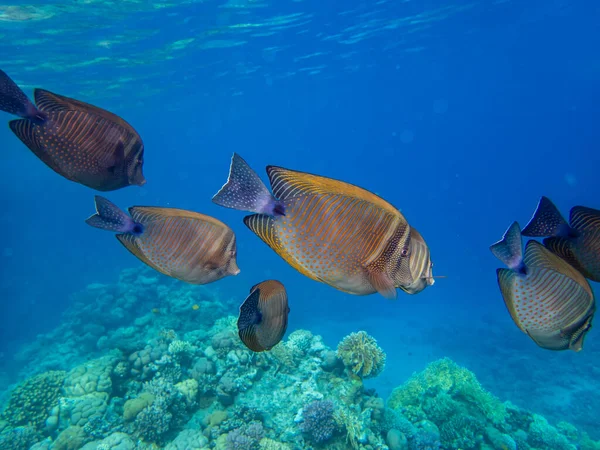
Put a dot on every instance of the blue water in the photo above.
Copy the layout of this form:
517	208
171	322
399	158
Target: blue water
461	115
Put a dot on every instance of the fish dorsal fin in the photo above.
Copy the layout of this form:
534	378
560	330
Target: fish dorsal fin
584	219
25	130
48	101
382	284
150	213
538	256
288	184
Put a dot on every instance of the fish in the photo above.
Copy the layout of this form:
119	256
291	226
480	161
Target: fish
420	264
577	242
329	230
185	245
263	317
547	298
79	141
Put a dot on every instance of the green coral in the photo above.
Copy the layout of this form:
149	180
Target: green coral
31	401
455	387
361	355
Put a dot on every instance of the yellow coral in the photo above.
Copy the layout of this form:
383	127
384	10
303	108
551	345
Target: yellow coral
30	402
361	355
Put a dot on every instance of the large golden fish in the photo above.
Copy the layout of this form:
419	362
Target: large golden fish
547	298
329	230
186	245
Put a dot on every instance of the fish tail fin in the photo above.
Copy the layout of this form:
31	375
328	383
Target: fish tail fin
546	221
245	191
509	249
14	101
110	217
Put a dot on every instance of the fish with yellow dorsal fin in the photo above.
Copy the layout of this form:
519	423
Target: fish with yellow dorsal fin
331	231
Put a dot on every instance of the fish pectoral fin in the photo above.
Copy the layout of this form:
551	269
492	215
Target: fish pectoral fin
382	284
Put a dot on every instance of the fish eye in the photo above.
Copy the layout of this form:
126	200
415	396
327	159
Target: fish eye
404	252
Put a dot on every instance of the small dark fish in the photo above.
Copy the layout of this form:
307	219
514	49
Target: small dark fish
547	298
420	264
329	230
79	141
186	245
577	243
264	316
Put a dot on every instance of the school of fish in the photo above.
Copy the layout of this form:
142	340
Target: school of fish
329	230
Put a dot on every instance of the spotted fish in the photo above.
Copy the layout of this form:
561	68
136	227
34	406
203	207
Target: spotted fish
186	245
263	316
578	241
79	141
328	230
547	298
420	264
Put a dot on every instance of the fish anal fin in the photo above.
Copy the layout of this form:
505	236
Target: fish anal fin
264	227
505	281
25	130
129	241
382	284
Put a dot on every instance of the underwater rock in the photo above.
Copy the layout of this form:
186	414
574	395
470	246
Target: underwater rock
396	440
72	438
133	406
188	440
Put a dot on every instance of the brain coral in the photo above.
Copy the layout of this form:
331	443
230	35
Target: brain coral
361	355
32	400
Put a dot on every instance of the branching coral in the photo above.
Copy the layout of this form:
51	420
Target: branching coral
361	355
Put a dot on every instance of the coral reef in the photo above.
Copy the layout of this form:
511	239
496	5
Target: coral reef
361	355
176	380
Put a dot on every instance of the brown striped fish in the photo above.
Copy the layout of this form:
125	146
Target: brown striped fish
79	141
329	230
577	242
420	264
547	298
263	316
182	244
